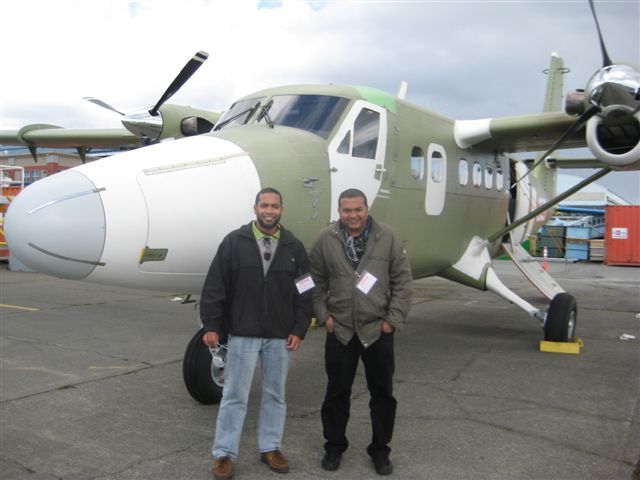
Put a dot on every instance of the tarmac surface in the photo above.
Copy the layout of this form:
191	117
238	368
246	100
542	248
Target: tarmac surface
91	387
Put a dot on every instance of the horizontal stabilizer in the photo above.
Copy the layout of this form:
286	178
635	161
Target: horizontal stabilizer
532	269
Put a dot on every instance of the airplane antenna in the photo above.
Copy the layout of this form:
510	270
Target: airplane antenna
402	90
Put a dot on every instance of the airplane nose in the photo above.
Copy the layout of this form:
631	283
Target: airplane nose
57	225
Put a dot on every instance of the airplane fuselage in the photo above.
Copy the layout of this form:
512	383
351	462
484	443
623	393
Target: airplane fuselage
153	217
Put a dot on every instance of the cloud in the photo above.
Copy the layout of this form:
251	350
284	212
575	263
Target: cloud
463	59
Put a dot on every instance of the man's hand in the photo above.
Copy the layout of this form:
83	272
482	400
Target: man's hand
293	342
328	324
387	327
211	339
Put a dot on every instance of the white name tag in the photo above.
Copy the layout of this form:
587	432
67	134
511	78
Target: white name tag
304	283
367	281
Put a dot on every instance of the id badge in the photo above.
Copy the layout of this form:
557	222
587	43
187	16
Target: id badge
367	281
304	283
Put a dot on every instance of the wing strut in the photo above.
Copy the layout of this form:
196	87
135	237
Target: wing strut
554	201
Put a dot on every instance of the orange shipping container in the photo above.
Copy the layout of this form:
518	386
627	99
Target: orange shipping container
622	235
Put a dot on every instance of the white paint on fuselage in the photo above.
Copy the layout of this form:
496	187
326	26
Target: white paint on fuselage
183	196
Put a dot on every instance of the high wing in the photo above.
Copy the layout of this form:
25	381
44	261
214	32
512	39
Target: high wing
613	136
53	136
605	117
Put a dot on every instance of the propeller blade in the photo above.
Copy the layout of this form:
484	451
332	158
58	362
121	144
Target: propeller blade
189	69
577	125
99	102
606	61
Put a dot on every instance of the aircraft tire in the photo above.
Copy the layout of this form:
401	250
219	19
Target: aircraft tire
197	371
562	318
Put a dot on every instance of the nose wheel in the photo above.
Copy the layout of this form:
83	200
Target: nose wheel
562	316
203	370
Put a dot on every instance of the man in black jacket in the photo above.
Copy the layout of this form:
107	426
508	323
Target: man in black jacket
257	289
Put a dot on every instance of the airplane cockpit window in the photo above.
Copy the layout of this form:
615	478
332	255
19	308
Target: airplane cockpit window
345	144
365	136
417	163
239	113
463	172
315	113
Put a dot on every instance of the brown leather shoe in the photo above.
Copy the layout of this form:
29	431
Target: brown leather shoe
276	461
222	468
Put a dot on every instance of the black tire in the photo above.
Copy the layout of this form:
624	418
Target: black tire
197	371
562	319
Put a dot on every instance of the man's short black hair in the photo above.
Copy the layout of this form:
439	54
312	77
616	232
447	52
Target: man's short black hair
353	193
268	190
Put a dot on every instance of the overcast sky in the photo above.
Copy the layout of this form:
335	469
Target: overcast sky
464	59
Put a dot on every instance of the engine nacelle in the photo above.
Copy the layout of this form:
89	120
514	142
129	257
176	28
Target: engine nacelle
610	137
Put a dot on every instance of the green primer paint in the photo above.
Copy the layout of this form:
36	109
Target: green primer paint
380	98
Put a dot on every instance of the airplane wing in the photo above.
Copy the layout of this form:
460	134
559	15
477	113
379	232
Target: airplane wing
614	139
524	133
52	136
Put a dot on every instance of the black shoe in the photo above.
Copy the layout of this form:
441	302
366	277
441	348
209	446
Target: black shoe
331	460
383	466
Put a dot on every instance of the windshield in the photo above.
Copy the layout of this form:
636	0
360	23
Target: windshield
315	113
239	113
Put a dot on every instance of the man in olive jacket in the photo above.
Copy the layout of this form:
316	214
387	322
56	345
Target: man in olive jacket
363	294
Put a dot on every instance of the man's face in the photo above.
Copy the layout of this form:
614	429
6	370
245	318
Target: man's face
268	210
353	214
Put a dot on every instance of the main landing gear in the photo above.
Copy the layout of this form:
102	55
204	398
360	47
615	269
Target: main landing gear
561	319
203	370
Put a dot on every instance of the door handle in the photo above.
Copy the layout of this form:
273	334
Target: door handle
308	182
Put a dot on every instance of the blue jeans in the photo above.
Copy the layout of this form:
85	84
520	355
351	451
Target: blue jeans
241	363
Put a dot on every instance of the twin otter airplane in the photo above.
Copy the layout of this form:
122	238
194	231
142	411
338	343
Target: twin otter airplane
153	217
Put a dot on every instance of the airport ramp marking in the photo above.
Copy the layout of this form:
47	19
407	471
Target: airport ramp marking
18	307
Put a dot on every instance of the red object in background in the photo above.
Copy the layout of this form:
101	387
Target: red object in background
622	235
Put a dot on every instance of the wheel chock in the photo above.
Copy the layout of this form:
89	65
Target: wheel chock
572	347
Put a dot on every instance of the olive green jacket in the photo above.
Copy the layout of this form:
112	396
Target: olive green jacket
336	293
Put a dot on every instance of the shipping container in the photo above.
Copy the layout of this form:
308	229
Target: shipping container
622	235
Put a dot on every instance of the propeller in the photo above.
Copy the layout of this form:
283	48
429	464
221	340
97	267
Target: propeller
612	88
185	74
606	61
99	102
148	124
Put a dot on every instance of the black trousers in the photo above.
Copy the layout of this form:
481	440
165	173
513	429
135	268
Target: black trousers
341	363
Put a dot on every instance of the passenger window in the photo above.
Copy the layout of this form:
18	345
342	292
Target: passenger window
488	177
365	135
477	174
463	172
499	178
417	163
437	164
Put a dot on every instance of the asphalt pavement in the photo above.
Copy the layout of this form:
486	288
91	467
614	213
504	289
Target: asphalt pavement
91	387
